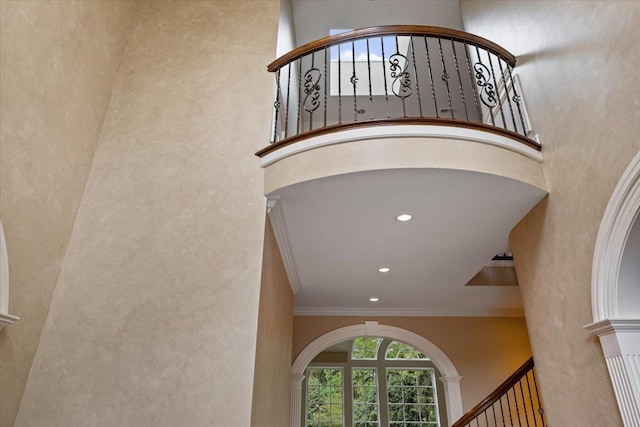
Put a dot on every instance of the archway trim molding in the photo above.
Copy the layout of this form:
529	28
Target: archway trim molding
450	376
619	336
615	227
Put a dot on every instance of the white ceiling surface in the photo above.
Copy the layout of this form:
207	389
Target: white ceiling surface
314	18
341	229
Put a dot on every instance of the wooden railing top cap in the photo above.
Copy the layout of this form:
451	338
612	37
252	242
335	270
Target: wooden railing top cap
400	30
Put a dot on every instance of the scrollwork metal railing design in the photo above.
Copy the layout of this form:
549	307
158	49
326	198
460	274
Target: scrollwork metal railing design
396	75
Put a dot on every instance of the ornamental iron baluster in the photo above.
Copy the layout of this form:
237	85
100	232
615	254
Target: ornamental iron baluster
433	88
517	99
311	90
487	94
506	94
354	81
445	78
384	76
455	58
286	120
401	86
276	105
369	71
495	82
415	70
473	86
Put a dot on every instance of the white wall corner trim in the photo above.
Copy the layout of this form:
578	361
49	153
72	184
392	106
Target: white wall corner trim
275	210
450	376
615	227
6	319
402	131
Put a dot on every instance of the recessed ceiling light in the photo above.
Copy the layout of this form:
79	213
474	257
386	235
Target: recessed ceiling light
384	269
404	217
374	299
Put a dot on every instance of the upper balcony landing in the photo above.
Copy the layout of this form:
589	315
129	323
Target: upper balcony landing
397	81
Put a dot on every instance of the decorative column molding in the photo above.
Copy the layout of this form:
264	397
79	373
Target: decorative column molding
296	399
620	340
454	394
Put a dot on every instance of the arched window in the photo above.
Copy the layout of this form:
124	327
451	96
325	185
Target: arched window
5	318
372	382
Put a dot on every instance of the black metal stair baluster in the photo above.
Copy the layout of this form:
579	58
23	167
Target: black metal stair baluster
369	73
400	80
495	419
506	94
286	113
445	78
307	89
486	419
533	408
502	412
433	88
384	76
276	105
325	85
540	410
517	99
484	88
524	402
415	70
473	82
299	118
455	58
509	408
495	82
515	399
339	84
354	81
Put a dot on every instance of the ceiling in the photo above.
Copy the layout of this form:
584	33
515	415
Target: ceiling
342	229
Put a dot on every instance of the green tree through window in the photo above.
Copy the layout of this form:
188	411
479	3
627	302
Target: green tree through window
366	387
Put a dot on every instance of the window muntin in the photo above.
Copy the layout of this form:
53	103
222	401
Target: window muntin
400	351
324	397
411	401
412	397
365	348
366	412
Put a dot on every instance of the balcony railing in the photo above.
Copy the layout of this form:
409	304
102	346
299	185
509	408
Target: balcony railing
391	75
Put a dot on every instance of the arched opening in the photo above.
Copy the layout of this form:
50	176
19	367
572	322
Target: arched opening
615	290
6	319
448	373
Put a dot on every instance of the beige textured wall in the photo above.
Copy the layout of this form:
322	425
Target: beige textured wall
578	62
484	350
59	60
154	318
272	377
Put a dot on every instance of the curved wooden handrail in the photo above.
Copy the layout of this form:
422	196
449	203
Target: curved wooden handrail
434	121
496	394
399	30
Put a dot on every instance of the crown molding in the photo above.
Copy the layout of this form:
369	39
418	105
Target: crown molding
610	326
408	312
275	211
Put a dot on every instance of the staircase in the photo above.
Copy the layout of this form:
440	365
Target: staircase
515	403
